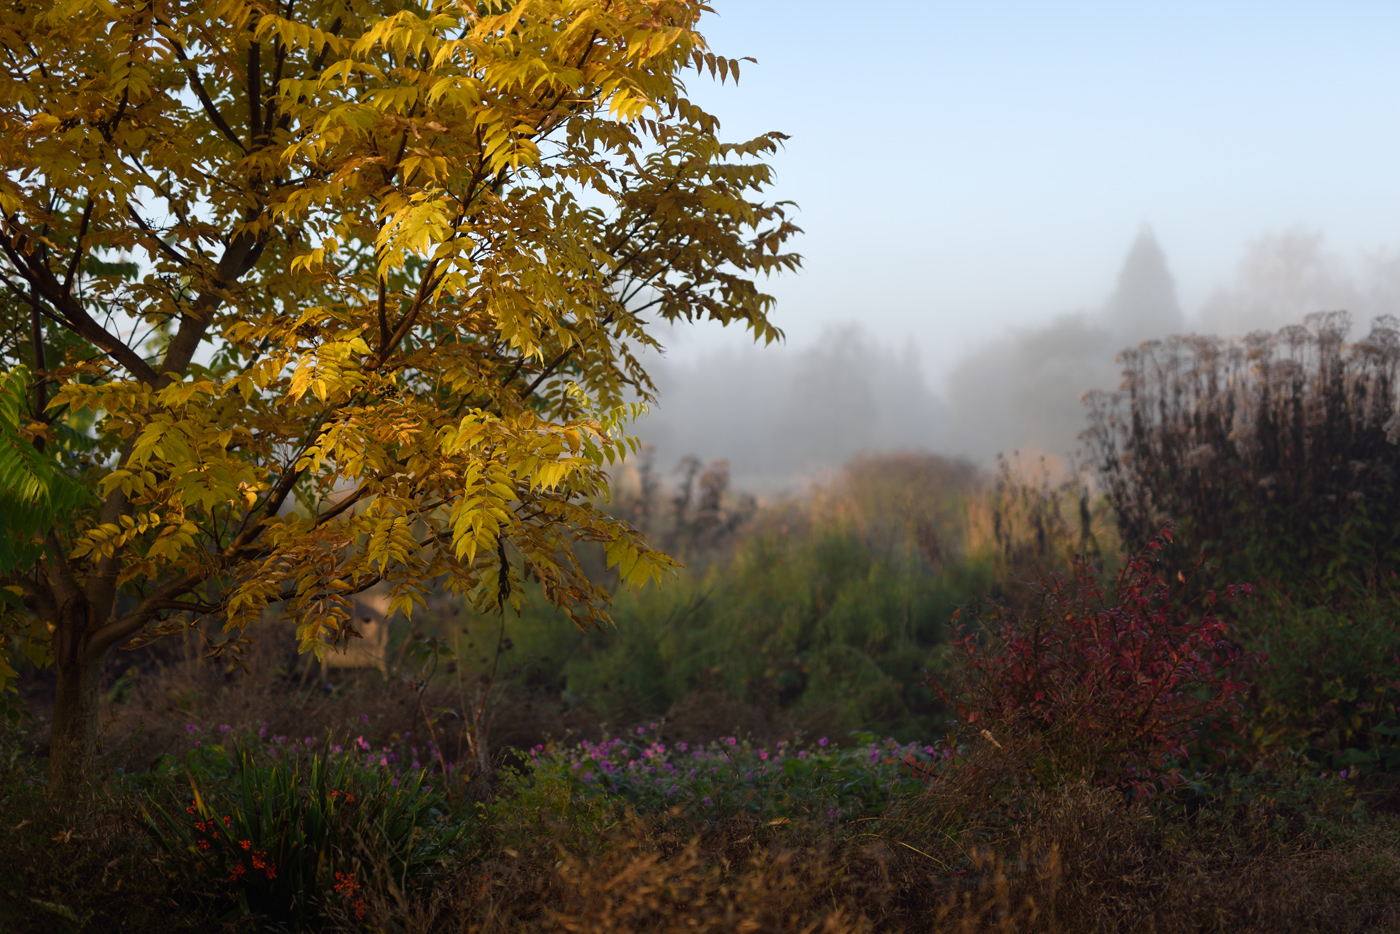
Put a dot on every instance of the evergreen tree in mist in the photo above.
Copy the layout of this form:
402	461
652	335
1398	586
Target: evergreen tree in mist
1022	390
1144	304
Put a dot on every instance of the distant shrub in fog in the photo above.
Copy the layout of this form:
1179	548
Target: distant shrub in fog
1275	453
692	519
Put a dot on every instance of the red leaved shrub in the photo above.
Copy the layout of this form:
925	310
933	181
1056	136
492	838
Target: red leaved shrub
1112	685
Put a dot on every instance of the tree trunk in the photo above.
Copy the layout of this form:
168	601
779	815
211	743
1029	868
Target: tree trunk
73	748
73	745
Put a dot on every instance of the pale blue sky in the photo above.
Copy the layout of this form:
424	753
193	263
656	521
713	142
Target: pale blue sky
962	168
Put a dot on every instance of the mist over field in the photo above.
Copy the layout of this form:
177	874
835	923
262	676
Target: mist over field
784	415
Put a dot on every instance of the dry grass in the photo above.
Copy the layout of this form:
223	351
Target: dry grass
1075	860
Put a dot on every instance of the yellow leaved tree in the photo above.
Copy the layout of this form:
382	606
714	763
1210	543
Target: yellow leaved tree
307	296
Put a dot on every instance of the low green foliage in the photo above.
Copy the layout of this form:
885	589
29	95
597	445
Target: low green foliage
827	627
284	836
827	605
1330	683
717	781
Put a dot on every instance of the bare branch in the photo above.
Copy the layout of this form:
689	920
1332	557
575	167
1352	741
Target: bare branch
165	248
43	284
78	248
121	628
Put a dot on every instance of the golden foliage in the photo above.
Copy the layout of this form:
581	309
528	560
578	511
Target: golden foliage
353	292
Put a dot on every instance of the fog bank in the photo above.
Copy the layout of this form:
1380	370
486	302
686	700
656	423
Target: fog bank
781	415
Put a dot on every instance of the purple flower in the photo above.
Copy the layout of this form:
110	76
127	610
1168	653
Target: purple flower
641	730
683	747
364	718
802	754
336	749
262	733
763	754
362	744
822	742
733	741
308	741
708	801
191	728
224	728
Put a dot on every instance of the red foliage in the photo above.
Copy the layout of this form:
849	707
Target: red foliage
1111	685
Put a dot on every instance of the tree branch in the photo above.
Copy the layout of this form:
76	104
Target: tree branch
78	248
340	507
43	284
165	248
405	324
124	627
240	255
41	369
254	83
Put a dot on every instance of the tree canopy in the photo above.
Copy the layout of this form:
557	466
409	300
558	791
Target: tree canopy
316	295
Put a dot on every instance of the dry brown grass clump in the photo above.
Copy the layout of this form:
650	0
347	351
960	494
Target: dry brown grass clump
643	882
1079	860
1123	871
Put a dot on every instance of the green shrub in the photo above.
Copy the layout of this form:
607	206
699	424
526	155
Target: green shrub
828	627
818	614
1330	684
289	835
